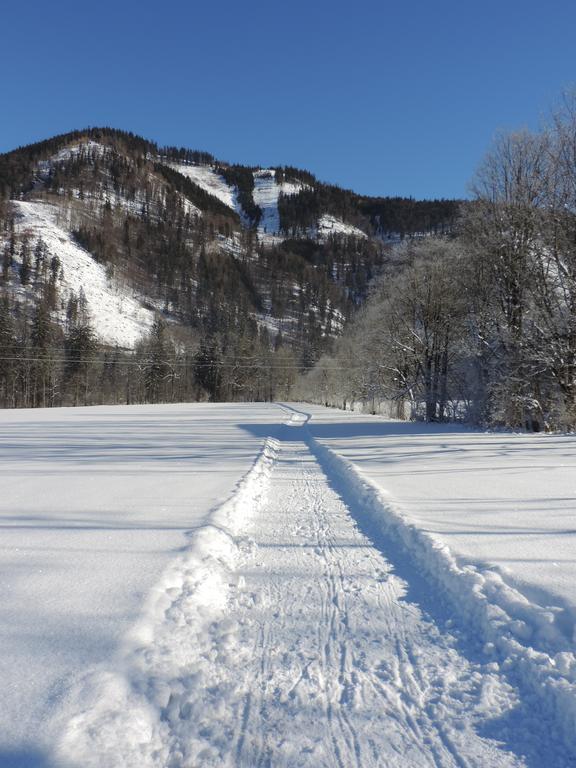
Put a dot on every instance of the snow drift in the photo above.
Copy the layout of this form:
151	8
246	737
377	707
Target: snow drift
124	715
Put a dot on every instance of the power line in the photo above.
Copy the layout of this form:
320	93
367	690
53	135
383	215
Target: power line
180	351
176	364
192	351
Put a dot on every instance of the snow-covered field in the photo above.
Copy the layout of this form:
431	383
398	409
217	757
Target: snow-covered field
506	500
274	585
95	504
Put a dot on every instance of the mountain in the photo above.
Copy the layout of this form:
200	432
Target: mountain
231	268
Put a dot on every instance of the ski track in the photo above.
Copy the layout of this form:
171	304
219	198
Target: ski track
304	650
331	667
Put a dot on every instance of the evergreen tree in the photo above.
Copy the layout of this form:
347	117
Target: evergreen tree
6	263
80	347
157	371
207	368
25	266
42	369
8	351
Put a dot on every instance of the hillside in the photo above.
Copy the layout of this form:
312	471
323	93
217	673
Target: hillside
111	245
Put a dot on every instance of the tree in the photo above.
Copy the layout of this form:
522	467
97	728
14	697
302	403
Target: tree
8	351
43	368
25	267
80	346
158	373
207	368
6	262
503	230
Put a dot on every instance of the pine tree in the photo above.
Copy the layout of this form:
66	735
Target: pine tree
25	267
40	253
80	346
42	368
157	372
8	350
207	369
6	263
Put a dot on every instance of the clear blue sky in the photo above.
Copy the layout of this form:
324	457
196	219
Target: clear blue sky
378	96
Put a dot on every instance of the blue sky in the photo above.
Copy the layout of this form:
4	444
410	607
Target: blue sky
381	97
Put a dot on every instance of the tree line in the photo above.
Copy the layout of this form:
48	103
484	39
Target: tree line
43	364
207	272
216	284
480	324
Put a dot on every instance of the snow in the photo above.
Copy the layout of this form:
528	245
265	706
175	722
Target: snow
266	194
232	245
95	506
97	199
208	179
89	147
285	325
350	591
265	649
330	225
501	499
116	316
489	518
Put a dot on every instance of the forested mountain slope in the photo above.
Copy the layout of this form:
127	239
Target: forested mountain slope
221	279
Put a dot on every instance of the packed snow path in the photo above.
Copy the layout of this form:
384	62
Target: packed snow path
329	664
293	641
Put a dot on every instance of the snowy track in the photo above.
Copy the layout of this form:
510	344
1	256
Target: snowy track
286	638
330	666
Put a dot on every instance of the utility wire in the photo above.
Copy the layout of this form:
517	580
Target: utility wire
176	364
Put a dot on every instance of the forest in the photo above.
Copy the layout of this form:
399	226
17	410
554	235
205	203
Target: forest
477	324
442	310
237	318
